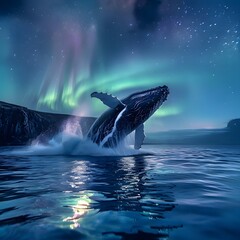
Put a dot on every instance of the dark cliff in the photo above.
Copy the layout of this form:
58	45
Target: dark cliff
20	125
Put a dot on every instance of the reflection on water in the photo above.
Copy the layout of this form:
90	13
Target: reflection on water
122	188
79	210
181	193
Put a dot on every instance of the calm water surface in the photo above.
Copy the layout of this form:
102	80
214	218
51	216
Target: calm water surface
179	193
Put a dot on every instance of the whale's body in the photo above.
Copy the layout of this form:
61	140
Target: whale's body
124	116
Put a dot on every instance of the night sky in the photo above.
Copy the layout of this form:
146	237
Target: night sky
53	54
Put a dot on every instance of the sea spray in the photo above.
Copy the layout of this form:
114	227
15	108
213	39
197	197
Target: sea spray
70	142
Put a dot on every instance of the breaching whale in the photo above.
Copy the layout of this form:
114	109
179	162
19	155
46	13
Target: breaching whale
124	116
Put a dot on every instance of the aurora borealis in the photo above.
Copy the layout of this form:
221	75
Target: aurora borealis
53	54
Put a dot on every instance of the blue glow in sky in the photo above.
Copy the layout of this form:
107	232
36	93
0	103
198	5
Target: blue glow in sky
53	54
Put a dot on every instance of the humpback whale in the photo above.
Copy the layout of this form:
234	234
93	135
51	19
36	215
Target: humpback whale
125	116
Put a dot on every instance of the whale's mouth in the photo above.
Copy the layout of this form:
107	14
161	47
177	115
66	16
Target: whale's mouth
151	98
142	105
155	97
157	92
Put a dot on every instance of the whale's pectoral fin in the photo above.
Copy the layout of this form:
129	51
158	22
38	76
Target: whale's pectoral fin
139	136
107	99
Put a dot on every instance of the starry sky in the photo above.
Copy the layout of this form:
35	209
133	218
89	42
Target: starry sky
53	54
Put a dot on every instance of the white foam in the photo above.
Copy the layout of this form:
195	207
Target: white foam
74	146
70	142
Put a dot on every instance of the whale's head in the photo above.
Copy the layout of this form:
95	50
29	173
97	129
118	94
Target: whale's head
144	104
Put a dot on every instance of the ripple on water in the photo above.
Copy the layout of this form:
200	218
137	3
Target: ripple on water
181	192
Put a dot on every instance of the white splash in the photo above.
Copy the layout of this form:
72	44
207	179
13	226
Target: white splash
70	142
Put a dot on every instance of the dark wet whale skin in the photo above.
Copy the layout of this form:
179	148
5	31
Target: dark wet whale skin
137	108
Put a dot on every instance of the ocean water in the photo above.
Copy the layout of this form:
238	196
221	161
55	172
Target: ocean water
163	192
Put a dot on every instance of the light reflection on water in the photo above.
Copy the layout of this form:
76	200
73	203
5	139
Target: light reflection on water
180	193
81	208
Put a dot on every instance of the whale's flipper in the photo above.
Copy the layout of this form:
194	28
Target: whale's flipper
107	99
139	136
